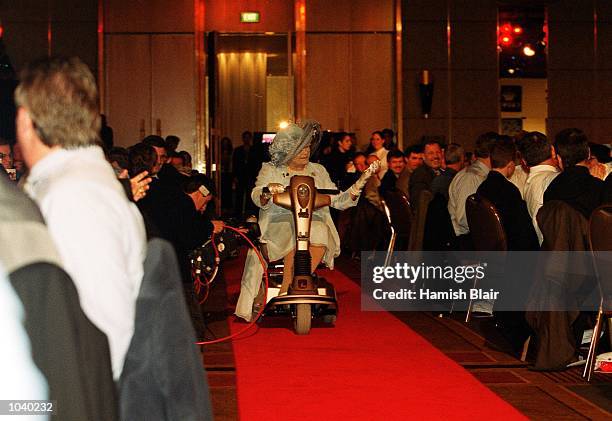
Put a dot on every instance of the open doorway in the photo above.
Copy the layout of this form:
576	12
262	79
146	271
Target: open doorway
251	90
522	47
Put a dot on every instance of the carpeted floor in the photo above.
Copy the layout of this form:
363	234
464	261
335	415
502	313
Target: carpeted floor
537	395
370	365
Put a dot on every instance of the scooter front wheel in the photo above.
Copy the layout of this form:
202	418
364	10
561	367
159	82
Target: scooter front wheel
303	318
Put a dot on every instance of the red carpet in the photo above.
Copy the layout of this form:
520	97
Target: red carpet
369	366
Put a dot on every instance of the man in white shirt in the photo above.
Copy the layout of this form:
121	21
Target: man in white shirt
539	155
466	182
99	234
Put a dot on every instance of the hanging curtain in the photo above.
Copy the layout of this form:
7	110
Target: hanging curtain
242	94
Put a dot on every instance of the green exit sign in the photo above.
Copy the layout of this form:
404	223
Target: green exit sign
249	17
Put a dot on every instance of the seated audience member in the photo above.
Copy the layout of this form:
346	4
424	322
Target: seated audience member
575	185
454	156
338	158
397	165
423	176
354	171
466	182
538	154
70	351
520	235
377	148
369	226
389	138
414	159
600	164
158	143
505	196
438	232
99	234
414	156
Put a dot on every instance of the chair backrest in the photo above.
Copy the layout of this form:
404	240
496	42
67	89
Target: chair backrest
420	217
485	224
400	214
600	241
600	229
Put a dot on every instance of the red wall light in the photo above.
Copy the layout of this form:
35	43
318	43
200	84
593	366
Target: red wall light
505	40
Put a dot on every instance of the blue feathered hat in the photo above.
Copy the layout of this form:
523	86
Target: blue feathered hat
290	141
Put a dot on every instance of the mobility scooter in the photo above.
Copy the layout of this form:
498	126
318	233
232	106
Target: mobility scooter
309	296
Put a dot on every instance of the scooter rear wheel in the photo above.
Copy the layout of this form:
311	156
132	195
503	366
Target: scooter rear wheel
303	318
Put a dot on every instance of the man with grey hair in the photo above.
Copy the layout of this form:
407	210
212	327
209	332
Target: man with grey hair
454	155
99	234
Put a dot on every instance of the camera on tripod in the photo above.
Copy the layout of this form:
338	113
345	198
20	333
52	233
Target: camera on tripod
221	246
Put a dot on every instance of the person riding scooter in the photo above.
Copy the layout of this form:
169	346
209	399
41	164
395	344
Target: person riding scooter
290	155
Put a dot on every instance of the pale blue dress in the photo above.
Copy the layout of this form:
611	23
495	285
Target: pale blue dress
278	231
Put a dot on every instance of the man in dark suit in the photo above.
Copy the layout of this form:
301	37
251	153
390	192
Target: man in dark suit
423	176
506	197
397	165
520	233
575	185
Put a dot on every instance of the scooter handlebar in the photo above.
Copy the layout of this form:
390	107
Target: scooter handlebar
266	190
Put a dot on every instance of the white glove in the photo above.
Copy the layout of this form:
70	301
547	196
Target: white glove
273	189
356	188
276	188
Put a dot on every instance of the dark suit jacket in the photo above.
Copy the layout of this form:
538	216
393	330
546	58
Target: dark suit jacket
556	286
70	351
173	213
388	182
420	180
515	218
163	377
578	188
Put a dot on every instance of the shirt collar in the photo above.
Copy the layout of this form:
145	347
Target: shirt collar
479	167
541	169
58	158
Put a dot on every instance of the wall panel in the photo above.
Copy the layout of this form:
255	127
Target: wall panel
328	80
128	86
173	87
149	16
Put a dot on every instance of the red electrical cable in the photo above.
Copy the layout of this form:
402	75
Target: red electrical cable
265	268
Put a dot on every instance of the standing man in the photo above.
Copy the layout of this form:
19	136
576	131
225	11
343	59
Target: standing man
99	234
241	165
